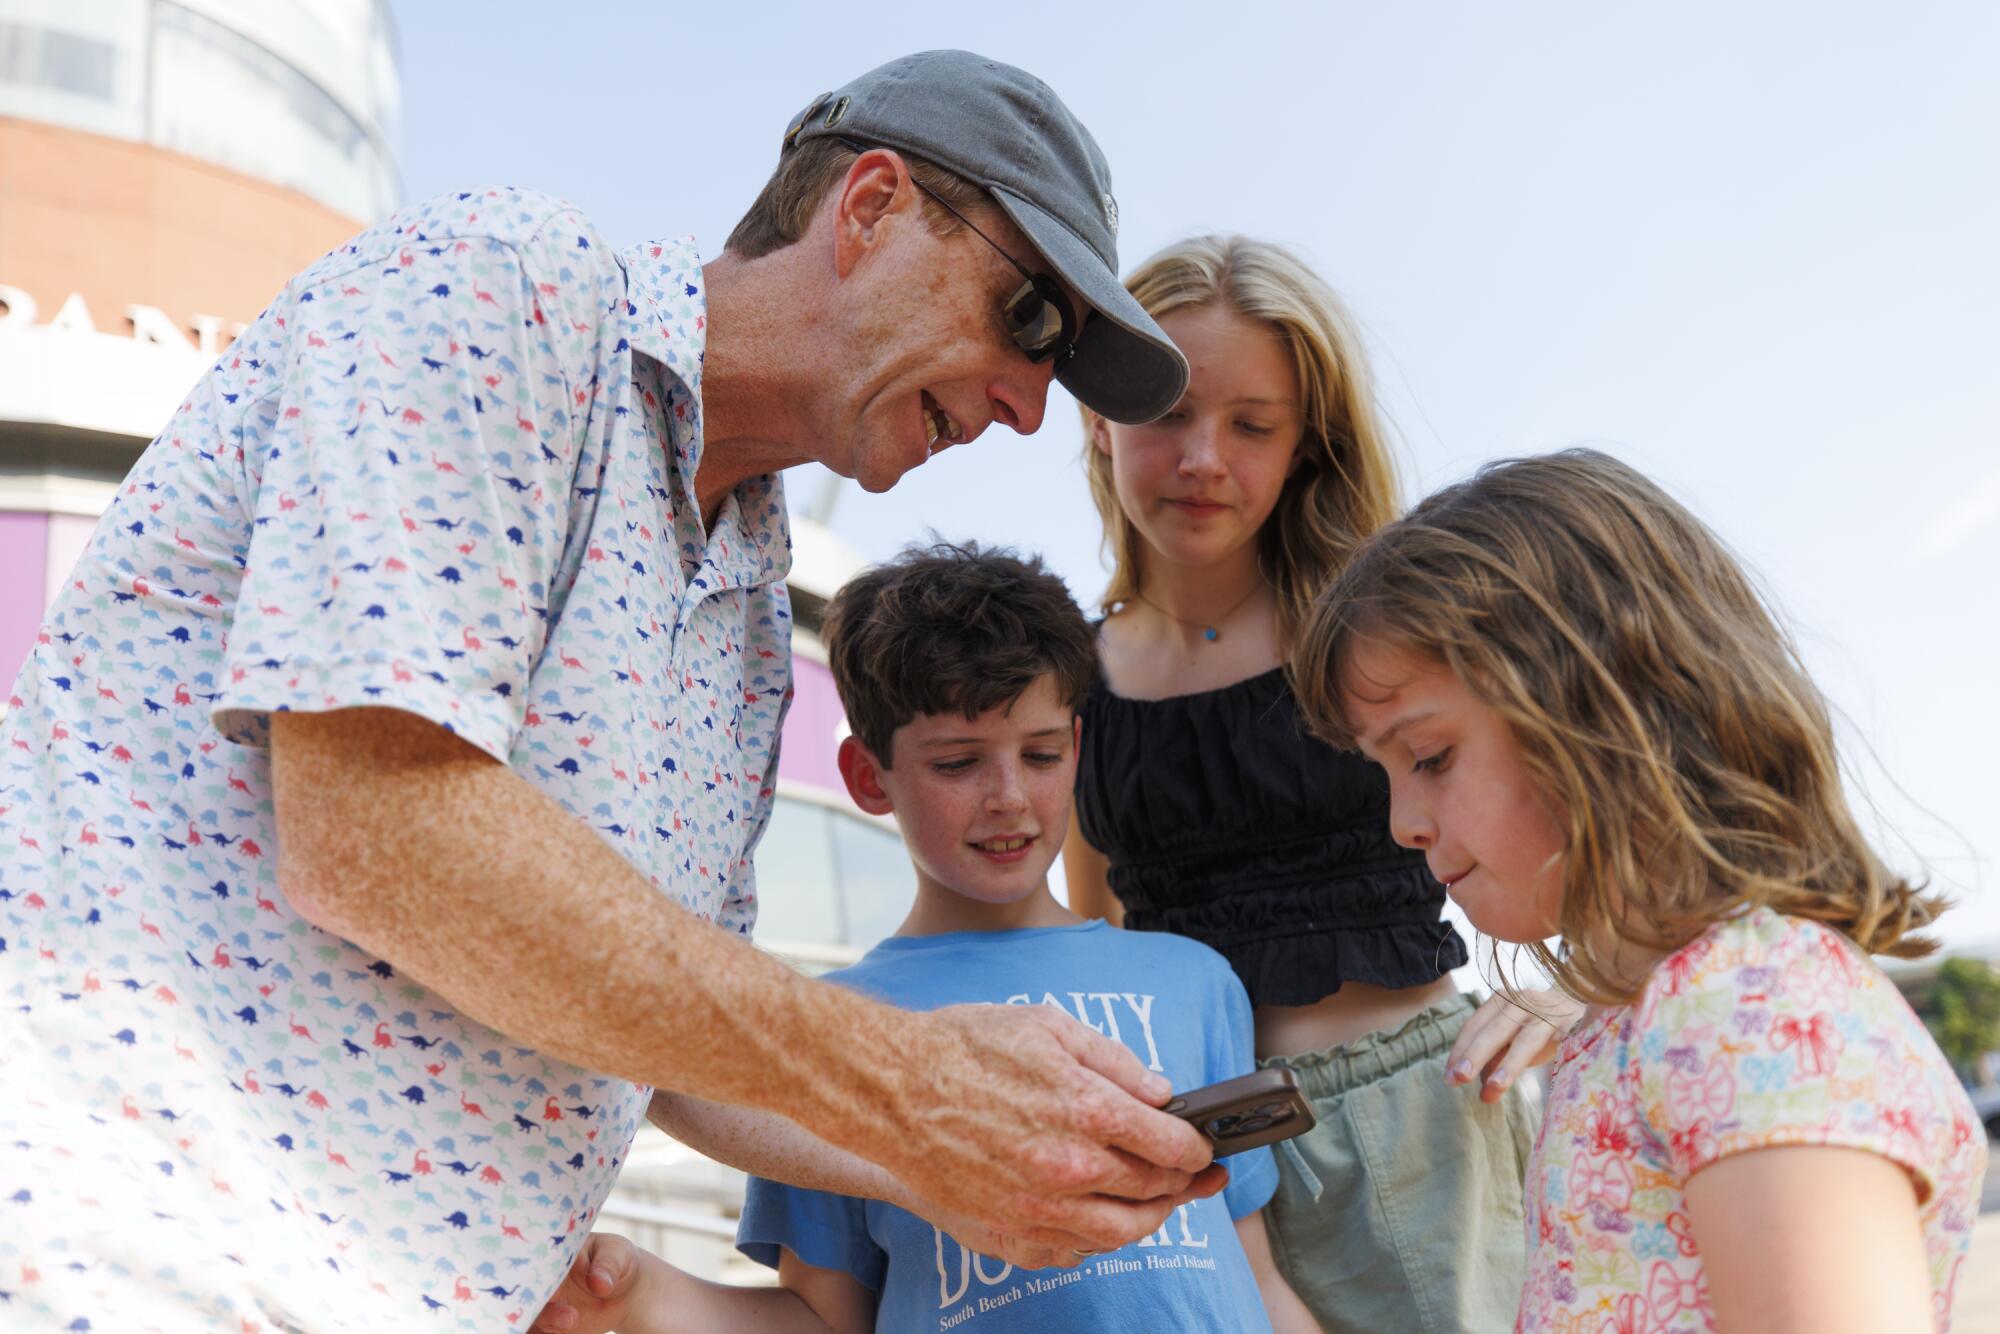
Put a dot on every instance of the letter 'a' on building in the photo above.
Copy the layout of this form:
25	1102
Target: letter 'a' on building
171	164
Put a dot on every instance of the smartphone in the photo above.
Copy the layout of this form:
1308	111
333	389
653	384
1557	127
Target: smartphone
1247	1112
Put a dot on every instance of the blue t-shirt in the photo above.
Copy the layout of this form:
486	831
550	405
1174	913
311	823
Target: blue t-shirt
1177	1005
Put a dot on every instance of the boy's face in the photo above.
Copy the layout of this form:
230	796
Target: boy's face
983	805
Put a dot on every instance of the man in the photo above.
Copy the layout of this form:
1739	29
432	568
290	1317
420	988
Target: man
376	780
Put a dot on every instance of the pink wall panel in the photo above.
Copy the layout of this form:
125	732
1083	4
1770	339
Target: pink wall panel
69	534
24	549
811	729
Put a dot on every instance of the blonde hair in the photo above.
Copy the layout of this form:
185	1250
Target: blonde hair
1345	485
1652	693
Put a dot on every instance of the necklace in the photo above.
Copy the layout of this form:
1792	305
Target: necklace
1207	628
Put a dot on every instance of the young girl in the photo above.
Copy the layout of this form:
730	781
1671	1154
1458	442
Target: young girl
1594	728
1204	807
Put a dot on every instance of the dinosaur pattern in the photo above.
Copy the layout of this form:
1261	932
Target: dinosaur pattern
450	471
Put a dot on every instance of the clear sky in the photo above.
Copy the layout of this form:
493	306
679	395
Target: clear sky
1753	249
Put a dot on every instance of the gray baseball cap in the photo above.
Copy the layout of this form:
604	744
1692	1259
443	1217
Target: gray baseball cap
1005	130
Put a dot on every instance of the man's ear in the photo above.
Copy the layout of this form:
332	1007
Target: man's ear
877	187
862	773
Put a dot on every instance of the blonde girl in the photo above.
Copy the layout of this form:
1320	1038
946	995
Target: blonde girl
1205	808
1594	728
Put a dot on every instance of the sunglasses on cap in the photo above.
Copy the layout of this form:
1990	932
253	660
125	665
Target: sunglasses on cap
1037	315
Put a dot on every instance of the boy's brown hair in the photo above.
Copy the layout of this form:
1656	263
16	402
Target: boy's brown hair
951	629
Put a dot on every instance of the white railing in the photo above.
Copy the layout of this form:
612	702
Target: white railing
670	1218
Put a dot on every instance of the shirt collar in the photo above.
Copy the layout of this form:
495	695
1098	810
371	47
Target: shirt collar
666	308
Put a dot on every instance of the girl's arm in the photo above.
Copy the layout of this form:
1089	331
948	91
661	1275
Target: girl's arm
616	1286
1809	1238
1288	1314
1506	1037
1086	872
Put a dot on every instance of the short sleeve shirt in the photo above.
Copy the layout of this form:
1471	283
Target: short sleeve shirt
1766	1031
1179	1008
449	471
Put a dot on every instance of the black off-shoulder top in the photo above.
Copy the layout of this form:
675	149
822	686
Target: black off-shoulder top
1225	820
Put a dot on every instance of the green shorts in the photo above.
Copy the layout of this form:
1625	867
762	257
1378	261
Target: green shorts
1400	1212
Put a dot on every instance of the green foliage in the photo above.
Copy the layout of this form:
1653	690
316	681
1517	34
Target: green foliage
1962	1010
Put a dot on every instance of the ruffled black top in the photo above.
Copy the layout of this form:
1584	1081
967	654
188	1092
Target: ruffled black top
1225	820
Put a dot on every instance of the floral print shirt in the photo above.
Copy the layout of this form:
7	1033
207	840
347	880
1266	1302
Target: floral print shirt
449	471
1767	1030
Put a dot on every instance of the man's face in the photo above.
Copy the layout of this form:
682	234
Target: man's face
921	345
982	803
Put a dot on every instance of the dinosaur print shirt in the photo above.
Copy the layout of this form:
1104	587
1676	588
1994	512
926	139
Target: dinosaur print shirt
449	471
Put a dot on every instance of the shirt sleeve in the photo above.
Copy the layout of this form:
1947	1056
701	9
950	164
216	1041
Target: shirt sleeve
1778	1031
825	1230
1253	1174
411	499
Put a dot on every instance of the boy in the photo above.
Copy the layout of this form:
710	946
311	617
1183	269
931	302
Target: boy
961	671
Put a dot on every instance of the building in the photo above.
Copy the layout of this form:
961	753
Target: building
165	167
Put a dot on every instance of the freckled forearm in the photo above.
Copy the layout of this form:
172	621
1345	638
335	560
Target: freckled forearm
464	877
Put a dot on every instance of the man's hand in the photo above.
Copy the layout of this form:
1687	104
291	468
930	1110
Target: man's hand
1505	1037
775	1147
1058	1249
405	840
1035	1140
603	1290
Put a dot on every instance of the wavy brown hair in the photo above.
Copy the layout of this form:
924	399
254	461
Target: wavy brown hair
1653	695
1345	485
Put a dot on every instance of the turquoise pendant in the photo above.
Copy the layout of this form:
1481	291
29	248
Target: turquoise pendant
1210	634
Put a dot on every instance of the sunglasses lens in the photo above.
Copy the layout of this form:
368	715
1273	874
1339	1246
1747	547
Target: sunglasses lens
1037	323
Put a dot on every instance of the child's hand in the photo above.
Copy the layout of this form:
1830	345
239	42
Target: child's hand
1504	1037
598	1290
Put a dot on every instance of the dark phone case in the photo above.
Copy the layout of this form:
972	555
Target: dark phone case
1247	1112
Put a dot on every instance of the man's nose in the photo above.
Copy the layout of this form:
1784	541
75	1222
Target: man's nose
1020	400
